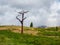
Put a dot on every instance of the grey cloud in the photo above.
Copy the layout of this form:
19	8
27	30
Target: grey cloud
39	11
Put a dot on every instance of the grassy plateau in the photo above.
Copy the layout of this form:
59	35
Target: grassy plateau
10	35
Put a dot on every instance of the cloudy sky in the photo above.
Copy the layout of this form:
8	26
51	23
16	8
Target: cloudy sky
41	12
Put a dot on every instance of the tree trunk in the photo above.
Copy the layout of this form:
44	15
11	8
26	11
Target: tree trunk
22	24
22	28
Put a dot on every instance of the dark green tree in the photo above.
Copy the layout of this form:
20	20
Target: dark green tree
56	28
31	24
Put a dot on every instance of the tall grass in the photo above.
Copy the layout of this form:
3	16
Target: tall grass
10	38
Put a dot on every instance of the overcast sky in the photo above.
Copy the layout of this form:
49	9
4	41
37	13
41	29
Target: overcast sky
41	12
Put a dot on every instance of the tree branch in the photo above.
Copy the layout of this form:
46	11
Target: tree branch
18	19
24	18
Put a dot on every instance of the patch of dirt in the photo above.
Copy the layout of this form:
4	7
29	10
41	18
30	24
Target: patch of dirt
28	32
31	32
3	28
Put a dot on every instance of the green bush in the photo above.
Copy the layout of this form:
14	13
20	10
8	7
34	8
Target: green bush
31	25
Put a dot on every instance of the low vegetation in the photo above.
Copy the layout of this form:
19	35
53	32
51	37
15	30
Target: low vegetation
44	36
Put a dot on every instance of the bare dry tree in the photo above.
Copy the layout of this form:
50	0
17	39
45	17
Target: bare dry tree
21	21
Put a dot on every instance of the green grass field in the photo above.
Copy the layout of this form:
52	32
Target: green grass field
44	36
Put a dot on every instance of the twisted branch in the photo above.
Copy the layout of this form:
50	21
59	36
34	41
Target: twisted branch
24	18
18	19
